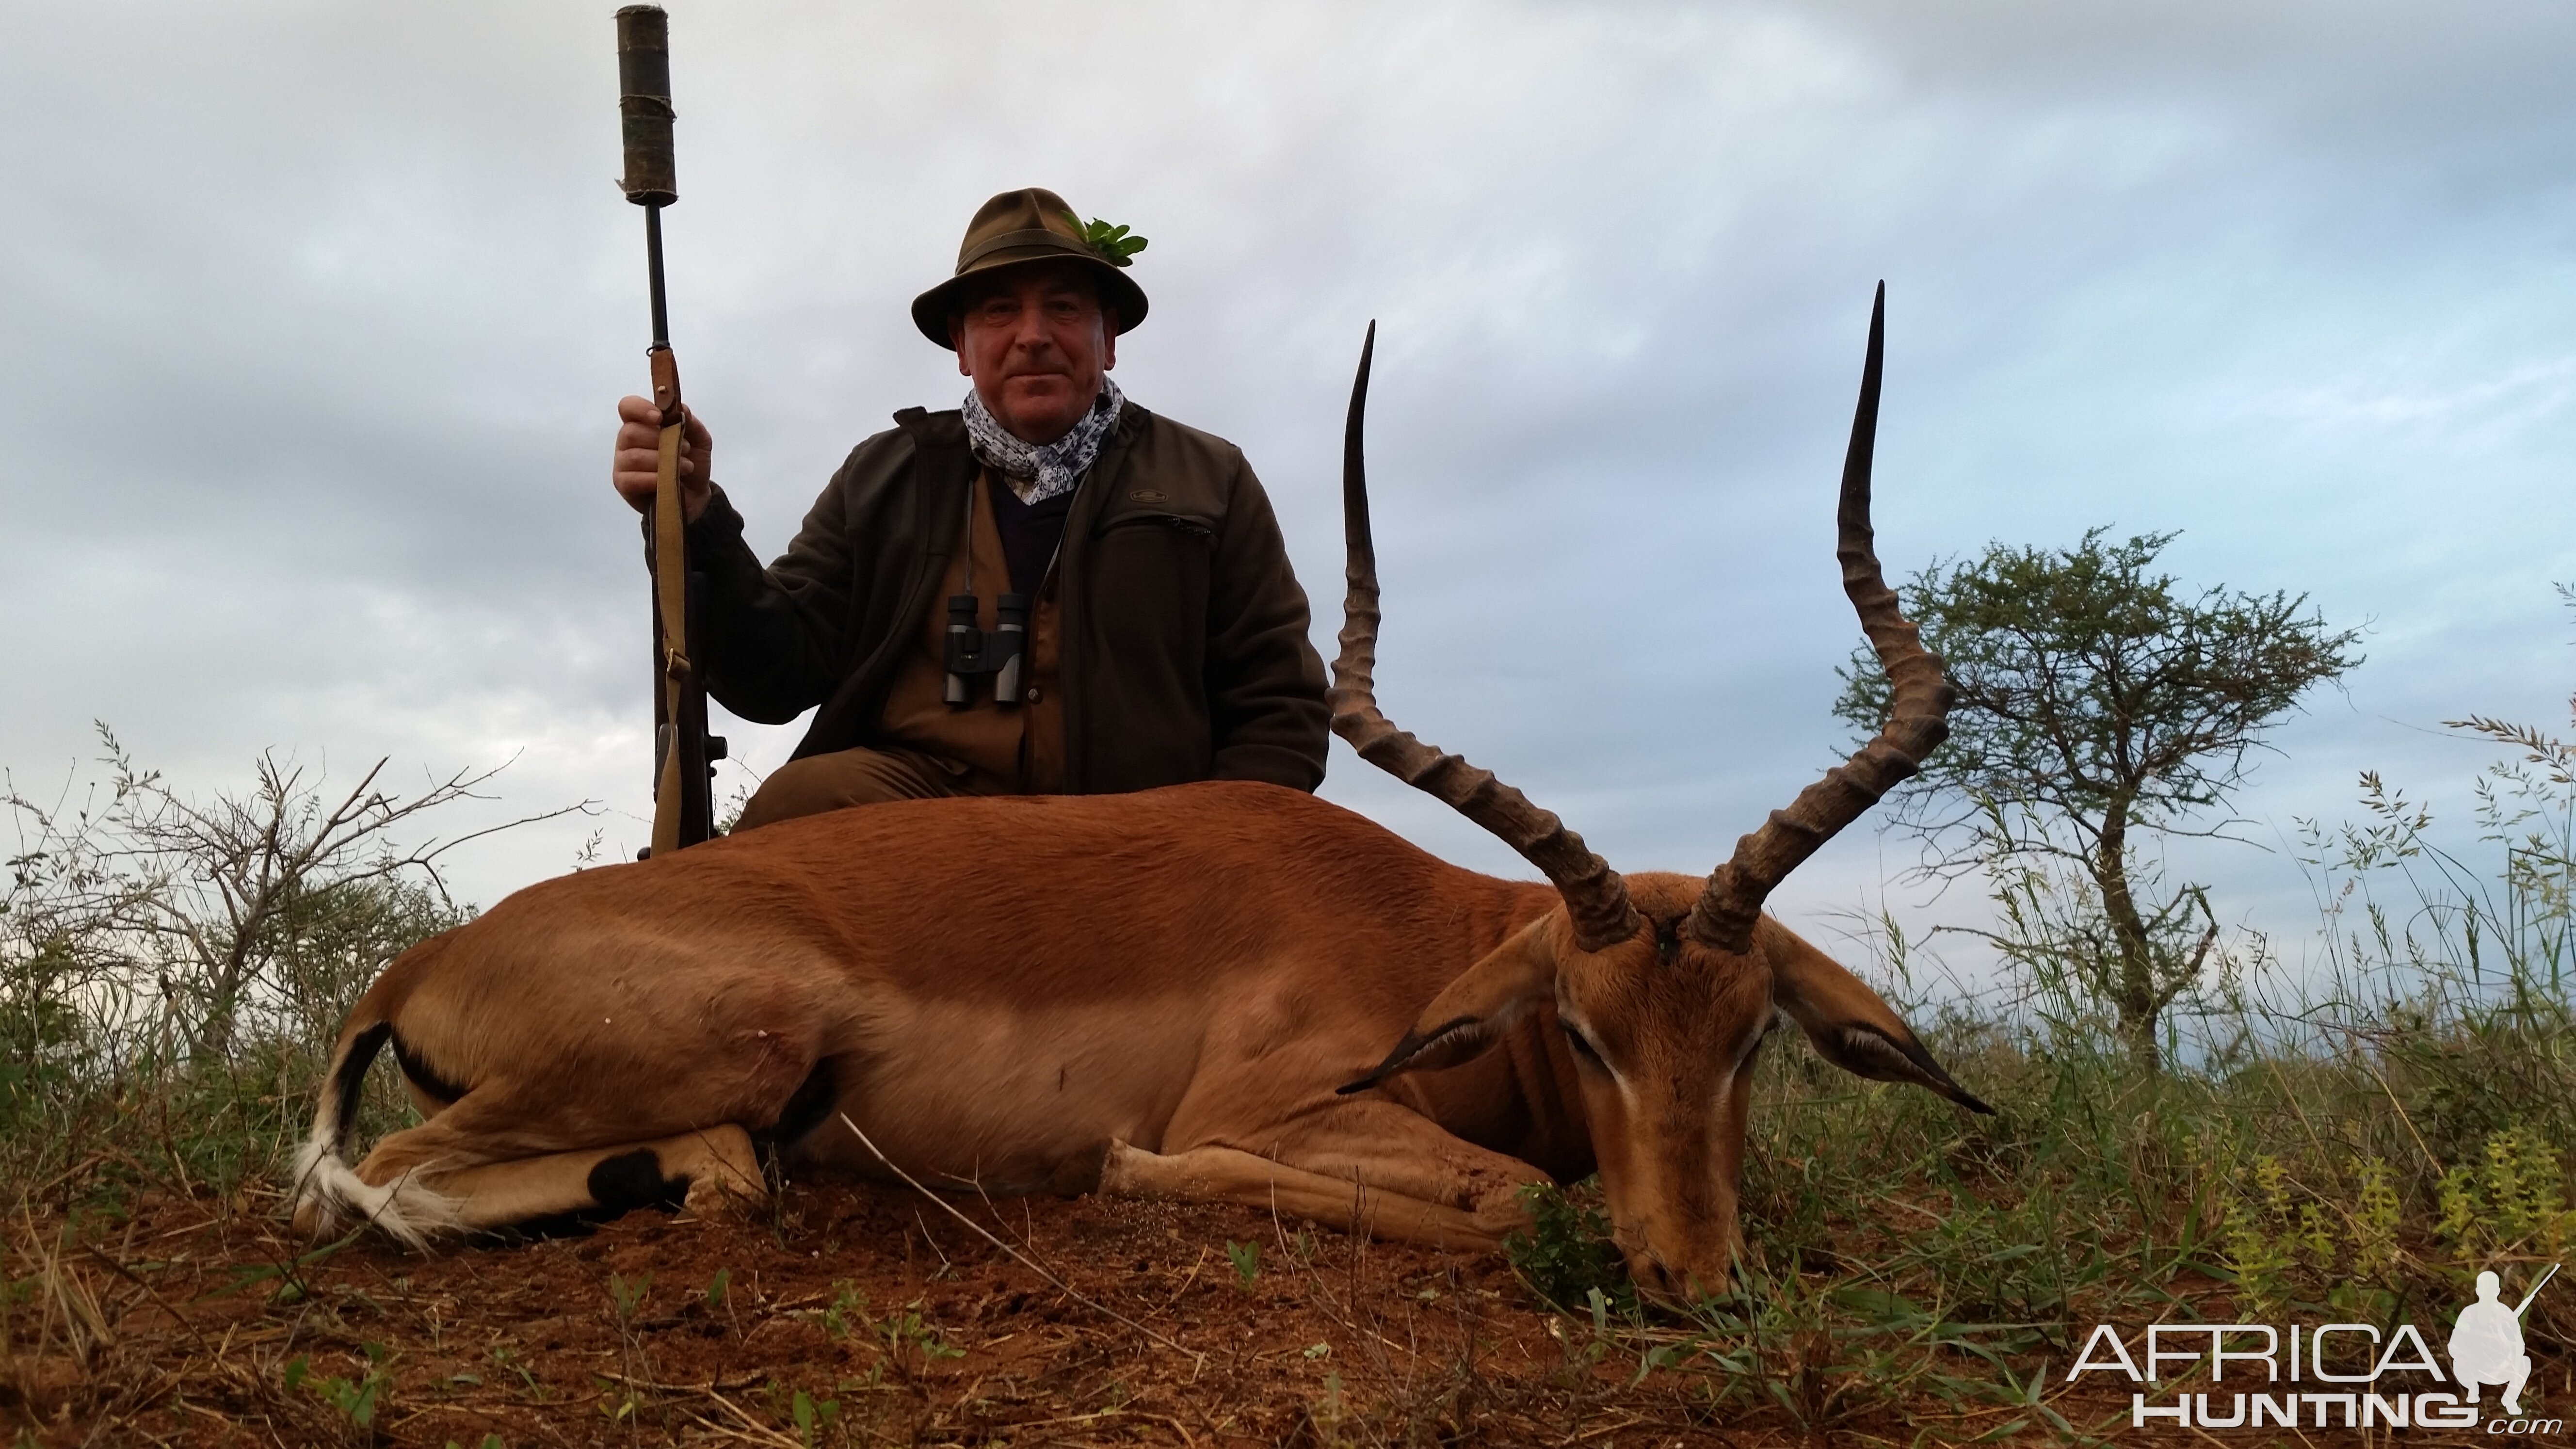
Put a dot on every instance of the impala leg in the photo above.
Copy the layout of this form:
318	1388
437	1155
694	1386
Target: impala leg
710	1173
1224	1174
1393	1148
1387	1145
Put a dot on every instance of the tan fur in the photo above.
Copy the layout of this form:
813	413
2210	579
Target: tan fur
1160	992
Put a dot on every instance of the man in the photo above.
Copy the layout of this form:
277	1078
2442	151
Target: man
1165	635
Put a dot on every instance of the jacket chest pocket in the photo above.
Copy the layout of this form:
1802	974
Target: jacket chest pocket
1149	577
1197	530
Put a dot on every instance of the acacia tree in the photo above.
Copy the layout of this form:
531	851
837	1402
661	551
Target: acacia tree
2101	708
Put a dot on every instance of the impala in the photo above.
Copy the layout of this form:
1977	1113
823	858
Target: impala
1185	993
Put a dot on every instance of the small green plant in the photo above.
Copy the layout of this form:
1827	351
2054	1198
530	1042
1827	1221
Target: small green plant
905	1331
629	1296
1331	1415
812	1416
624	1399
2374	1222
1111	244
849	1310
902	1332
490	1441
1583	1352
719	1299
2512	1202
357	1399
1566	1252
2261	1235
504	1358
1246	1258
617	1401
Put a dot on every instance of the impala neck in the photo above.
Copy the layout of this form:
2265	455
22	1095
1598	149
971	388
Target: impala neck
1521	1098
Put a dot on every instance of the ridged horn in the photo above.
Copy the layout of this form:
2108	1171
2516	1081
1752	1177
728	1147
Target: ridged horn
1595	897
1917	720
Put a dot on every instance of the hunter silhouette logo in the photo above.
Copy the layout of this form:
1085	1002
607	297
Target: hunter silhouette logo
2486	1341
2364	1376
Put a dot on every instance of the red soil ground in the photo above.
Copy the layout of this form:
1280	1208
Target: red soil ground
184	1322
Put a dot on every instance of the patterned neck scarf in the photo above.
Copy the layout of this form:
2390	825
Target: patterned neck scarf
1039	472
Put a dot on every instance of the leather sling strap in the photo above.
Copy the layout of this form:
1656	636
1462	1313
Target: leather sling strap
671	600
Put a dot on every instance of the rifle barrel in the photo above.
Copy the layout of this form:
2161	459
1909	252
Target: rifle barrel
653	264
2535	1289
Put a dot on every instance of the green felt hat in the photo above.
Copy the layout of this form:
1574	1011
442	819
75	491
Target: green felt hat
1017	227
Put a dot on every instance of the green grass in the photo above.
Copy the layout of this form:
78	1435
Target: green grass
1966	1258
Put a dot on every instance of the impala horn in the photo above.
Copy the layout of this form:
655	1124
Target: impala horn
1596	899
1917	717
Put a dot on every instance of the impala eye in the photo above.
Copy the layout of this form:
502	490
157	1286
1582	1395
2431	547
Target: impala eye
1582	1045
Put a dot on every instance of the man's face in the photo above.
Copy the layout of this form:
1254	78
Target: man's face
1036	340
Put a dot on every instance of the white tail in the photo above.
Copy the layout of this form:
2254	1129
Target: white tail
328	1195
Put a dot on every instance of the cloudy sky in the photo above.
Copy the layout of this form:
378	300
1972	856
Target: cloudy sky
315	316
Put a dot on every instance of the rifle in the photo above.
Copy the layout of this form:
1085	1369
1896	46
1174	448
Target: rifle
2535	1290
684	754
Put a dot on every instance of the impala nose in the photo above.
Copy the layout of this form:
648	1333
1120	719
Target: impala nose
1656	1279
1660	1280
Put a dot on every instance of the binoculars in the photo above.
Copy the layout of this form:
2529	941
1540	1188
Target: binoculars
972	652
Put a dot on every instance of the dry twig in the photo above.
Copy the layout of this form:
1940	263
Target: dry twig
1032	1264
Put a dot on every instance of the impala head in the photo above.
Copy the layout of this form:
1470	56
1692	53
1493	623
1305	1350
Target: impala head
1664	985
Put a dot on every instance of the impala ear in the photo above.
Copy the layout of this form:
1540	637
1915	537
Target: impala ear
1467	1018
1850	1025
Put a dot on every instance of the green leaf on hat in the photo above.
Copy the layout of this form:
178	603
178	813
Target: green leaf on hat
1112	243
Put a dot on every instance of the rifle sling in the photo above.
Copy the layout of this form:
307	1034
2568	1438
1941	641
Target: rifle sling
671	599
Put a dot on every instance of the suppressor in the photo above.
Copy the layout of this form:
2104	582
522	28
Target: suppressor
644	104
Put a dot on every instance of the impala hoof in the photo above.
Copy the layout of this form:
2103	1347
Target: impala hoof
1504	1213
722	1197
